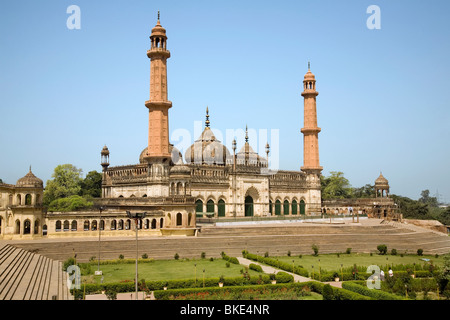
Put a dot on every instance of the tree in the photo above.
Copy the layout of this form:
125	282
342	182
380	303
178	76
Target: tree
71	203
335	186
426	199
1	181
368	191
91	186
66	182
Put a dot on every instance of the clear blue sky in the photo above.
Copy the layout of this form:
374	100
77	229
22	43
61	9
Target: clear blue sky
383	101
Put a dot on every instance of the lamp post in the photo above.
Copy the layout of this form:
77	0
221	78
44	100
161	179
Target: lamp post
234	177
137	216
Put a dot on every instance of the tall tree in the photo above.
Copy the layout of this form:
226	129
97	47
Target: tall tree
66	182
336	186
91	186
427	199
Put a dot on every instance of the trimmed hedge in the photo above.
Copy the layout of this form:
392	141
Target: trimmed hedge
92	288
255	267
338	293
373	293
275	263
230	259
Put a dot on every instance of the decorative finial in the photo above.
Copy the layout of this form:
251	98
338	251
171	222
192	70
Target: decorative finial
30	167
158	15
246	133
309	65
207	118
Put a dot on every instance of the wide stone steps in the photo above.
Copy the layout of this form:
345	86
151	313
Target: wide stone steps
25	275
275	240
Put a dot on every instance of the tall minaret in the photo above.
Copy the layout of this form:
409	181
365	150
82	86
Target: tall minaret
158	105
310	129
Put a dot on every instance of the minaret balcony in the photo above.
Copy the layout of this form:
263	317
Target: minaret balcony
158	53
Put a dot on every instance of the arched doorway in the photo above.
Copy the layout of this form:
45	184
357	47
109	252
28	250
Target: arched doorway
277	207
179	219
286	207
294	207
221	208
27	227
199	205
302	207
248	206
210	206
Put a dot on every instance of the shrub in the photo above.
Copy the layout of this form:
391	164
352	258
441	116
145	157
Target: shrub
227	264
327	292
315	248
419	252
382	249
363	290
121	257
348	251
111	294
283	277
203	255
266	254
393	252
255	267
289	253
176	256
67	263
145	256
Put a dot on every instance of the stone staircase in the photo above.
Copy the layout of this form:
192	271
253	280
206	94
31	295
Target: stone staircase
25	275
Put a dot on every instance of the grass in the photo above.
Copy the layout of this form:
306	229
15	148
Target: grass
166	270
331	262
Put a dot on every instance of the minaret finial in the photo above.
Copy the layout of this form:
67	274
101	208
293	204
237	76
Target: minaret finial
158	15
30	167
207	118
309	65
246	133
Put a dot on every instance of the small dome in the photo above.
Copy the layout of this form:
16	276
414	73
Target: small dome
207	150
246	156
105	151
30	181
381	180
310	76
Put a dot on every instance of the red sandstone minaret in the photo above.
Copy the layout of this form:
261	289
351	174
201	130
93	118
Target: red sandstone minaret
158	105
310	129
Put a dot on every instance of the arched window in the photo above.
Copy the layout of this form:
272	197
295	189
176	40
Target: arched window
179	219
199	205
294	207
27	227
44	230
120	224
128	225
94	225
161	222
270	207
19	200
113	225
74	225
147	224
58	226
66	225
221	208
277	207
86	225
28	200
286	207
36	227
154	223
302	207
180	188
210	206
102	225
248	206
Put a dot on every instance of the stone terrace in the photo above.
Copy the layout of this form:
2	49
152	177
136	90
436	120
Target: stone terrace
275	238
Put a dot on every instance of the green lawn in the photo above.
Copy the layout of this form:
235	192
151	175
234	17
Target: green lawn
167	270
331	262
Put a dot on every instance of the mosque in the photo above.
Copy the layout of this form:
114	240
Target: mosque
175	191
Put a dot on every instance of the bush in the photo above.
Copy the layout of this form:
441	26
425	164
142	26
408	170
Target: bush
145	256
363	290
315	248
283	277
176	256
255	267
203	255
327	292
382	249
419	252
393	252
348	251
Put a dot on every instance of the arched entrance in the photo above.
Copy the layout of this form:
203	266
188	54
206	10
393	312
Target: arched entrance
248	206
302	207
221	208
